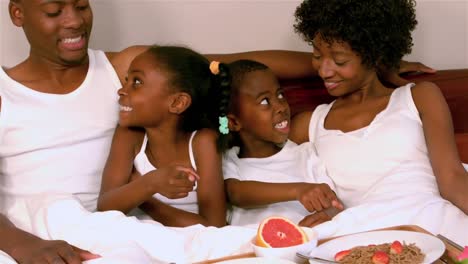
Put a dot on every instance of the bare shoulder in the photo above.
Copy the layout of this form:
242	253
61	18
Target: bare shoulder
121	60
205	137
299	129
425	87
130	136
426	93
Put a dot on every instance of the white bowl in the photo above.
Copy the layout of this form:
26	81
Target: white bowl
288	253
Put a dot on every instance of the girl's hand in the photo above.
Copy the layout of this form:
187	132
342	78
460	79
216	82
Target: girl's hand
316	197
315	219
174	182
320	217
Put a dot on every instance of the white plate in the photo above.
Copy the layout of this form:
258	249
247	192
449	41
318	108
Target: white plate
256	261
431	246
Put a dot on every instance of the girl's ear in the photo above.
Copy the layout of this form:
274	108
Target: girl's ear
16	13
180	102
233	123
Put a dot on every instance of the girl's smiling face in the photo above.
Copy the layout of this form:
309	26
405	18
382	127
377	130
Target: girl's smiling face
339	66
261	110
144	99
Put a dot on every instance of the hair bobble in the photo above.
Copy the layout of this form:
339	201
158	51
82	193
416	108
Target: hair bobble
214	67
223	125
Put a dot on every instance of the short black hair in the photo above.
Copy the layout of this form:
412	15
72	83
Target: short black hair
239	69
378	30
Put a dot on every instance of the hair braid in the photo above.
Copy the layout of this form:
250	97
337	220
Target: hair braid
222	95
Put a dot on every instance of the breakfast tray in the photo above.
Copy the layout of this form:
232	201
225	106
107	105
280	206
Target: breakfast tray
449	248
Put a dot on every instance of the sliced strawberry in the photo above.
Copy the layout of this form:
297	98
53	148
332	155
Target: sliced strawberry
340	255
380	257
396	247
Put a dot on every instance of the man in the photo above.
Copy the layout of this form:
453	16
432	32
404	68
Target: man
58	110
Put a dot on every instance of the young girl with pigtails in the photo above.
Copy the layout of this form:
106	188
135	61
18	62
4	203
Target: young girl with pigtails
165	158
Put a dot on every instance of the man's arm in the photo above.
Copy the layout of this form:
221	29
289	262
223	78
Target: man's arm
286	64
27	248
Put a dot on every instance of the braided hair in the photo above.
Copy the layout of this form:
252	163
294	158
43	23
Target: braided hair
189	72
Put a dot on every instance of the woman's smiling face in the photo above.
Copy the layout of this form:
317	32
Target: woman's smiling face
339	66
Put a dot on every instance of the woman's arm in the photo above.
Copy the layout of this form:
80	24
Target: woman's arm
452	178
299	129
210	189
286	64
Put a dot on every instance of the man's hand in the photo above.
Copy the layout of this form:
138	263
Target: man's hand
35	250
394	78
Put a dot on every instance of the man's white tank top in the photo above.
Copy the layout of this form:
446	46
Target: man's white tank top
57	143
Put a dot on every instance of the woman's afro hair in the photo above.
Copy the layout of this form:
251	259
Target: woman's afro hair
378	30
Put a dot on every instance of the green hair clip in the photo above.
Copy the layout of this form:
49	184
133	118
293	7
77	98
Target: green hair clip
223	125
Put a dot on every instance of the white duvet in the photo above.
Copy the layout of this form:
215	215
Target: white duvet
121	239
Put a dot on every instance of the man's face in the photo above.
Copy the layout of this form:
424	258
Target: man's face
57	30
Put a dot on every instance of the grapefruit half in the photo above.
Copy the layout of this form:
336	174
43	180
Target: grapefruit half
277	231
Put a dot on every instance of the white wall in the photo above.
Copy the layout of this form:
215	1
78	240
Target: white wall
218	26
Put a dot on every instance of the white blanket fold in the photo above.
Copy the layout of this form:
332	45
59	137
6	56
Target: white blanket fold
115	236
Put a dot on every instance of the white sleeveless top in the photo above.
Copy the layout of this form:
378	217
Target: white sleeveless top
383	173
57	143
388	157
143	166
293	163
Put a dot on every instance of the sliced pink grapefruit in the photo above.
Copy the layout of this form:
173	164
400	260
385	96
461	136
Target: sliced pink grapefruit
277	231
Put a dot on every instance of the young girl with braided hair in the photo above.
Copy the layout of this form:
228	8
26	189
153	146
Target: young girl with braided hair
165	156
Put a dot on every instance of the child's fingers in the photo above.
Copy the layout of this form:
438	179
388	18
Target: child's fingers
192	175
314	219
324	199
317	204
337	204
